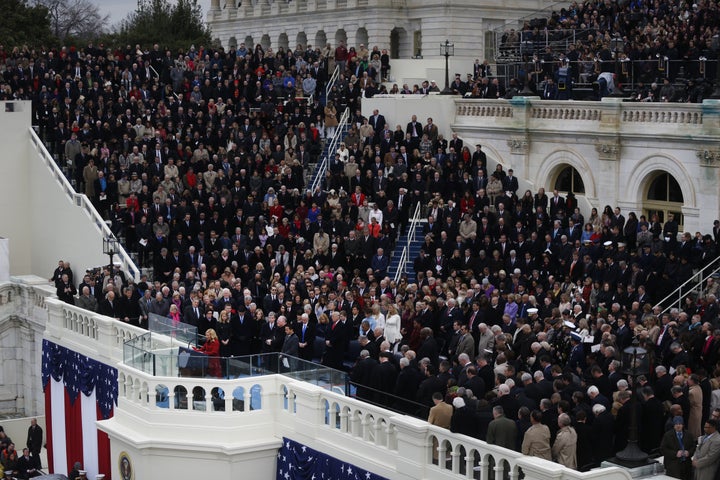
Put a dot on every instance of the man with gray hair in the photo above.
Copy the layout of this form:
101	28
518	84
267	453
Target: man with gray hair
362	375
564	450
502	431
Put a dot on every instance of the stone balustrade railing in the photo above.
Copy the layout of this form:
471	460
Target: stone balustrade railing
335	424
610	116
273	406
86	332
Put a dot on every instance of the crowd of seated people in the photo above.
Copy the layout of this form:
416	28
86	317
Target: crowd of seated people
506	287
667	39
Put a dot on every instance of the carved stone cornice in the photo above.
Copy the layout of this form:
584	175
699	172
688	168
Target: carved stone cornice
608	150
708	158
518	145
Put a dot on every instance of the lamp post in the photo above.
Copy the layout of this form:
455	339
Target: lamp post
715	47
635	362
110	247
617	44
447	50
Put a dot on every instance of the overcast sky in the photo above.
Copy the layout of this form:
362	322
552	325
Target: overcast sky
119	9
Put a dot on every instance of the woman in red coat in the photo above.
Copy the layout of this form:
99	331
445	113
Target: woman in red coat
211	348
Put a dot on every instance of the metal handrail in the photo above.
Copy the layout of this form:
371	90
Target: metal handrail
344	119
82	201
157	75
333	78
701	277
404	257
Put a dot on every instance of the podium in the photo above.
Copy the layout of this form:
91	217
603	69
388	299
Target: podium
191	363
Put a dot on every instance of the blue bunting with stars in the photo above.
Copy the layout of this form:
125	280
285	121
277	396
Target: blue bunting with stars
299	462
80	374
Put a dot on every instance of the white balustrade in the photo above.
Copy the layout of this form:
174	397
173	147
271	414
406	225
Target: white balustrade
586	116
277	406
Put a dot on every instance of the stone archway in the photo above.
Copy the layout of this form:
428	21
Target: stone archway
557	161
645	171
340	36
361	37
283	42
400	43
320	39
265	42
301	39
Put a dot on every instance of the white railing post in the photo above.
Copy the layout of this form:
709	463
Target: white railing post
310	410
56	319
412	446
455	455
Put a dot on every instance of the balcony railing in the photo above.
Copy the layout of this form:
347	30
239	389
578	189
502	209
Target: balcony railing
637	118
271	406
275	406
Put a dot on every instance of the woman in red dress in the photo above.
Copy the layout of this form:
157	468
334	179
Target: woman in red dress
211	348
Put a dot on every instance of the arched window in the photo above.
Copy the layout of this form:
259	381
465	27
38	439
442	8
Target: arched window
664	196
569	180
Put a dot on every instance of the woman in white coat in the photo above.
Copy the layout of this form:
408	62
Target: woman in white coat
392	326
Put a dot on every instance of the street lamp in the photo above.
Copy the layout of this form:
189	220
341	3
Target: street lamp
111	246
447	50
617	45
715	47
635	362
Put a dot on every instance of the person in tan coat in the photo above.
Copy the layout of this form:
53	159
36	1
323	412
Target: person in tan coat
440	415
564	450
695	398
331	120
536	441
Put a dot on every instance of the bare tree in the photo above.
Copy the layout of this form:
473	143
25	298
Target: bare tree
75	18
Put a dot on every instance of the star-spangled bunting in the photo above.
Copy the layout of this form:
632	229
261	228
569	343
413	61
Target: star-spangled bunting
80	374
300	462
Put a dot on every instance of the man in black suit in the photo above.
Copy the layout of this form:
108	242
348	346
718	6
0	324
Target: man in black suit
35	440
557	203
66	290
27	465
336	341
306	334
385	377
243	333
109	306
510	183
414	128
377	121
193	313
362	375
455	143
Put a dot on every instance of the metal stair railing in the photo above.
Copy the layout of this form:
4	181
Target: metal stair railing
334	142
695	282
82	201
333	78
405	256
